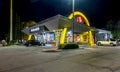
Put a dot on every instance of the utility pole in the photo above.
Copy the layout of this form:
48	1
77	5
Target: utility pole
11	20
73	9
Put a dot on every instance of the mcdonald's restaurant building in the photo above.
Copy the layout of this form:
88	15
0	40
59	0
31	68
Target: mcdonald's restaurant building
59	29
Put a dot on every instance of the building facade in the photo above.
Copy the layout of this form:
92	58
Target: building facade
59	29
103	34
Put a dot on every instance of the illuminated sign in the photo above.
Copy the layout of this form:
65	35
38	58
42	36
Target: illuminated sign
35	29
79	19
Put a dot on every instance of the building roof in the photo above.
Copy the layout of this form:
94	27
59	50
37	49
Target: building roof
58	22
102	31
80	28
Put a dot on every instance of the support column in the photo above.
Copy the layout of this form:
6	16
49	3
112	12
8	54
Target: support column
81	38
63	34
29	37
91	41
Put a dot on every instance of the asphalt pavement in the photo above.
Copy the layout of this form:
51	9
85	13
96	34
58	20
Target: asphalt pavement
34	59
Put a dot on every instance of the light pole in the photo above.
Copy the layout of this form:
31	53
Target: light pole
11	21
73	9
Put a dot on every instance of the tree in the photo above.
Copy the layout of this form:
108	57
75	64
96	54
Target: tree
110	25
29	23
116	30
7	37
17	28
26	24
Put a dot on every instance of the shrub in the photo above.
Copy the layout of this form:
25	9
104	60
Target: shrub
11	42
68	46
61	46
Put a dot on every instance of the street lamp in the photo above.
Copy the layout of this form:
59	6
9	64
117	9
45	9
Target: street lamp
73	9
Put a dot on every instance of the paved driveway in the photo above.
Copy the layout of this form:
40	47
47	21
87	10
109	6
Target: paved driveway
33	59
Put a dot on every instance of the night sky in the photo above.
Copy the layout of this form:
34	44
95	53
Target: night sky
98	12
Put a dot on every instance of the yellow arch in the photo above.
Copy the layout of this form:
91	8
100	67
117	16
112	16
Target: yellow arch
90	39
81	14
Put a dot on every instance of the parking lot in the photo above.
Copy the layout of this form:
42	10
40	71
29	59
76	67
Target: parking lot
34	59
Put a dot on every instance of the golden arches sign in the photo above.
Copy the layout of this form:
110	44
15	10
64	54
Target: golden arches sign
90	39
81	14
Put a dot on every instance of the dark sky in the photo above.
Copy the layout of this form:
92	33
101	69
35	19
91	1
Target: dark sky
97	11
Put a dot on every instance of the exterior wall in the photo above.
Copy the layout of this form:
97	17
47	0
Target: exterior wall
103	34
85	37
